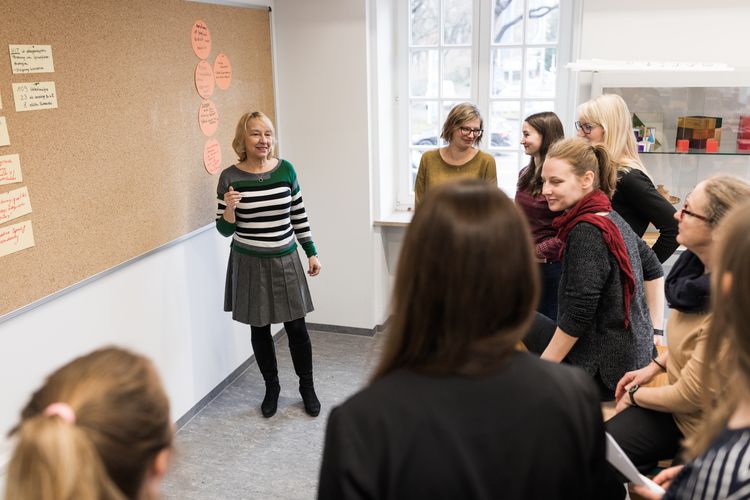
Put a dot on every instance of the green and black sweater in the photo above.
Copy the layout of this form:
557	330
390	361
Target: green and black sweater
269	215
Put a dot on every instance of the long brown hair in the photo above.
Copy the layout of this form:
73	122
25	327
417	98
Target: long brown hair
466	285
121	423
549	126
726	370
584	157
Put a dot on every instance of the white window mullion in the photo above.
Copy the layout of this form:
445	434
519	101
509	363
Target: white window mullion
482	38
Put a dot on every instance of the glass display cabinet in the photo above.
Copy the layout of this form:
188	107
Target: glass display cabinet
661	98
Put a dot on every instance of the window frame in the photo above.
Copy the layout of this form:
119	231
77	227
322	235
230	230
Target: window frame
568	48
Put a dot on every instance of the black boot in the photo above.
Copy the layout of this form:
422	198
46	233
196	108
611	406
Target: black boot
271	400
265	356
302	360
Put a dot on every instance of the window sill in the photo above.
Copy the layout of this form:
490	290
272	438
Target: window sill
395	219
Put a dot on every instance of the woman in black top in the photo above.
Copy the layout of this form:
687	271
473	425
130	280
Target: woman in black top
720	451
606	120
453	410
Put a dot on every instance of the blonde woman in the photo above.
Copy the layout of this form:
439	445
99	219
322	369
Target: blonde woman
606	120
461	158
98	429
651	422
260	206
719	450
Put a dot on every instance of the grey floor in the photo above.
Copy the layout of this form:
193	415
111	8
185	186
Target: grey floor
229	451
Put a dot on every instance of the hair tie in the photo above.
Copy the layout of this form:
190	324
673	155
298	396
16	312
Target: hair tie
62	410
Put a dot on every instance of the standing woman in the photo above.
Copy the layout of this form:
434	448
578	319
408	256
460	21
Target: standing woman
608	275
260	206
462	130
606	120
539	132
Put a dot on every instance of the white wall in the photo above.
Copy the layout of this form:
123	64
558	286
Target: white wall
324	128
667	30
168	306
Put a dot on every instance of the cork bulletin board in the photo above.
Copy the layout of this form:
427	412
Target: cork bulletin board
117	168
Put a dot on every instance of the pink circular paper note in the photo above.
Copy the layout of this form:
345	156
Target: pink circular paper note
223	71
212	156
208	118
201	39
204	79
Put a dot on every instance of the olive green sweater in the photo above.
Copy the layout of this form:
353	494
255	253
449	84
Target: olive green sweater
433	170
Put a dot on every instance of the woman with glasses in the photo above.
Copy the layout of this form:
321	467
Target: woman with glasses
461	158
539	132
651	422
453	409
720	453
260	206
607	120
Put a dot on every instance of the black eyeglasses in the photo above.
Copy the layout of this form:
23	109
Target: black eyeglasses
685	211
586	127
466	131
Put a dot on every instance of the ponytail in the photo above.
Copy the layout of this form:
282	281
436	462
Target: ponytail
607	170
53	460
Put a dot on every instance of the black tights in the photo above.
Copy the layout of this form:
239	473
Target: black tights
299	347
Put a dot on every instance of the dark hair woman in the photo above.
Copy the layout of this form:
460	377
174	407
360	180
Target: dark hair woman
453	409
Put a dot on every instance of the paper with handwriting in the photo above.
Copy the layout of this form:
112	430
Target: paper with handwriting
16	237
35	96
31	59
14	204
10	169
4	137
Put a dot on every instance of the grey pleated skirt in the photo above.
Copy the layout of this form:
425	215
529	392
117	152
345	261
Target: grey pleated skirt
263	290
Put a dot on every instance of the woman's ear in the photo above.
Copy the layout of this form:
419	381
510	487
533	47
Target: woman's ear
587	180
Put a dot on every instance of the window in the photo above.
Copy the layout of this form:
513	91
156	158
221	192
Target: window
502	55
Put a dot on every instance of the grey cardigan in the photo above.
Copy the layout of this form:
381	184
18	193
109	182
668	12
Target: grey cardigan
591	304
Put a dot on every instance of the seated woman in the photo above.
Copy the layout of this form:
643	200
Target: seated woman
98	428
453	410
603	321
461	158
652	421
719	449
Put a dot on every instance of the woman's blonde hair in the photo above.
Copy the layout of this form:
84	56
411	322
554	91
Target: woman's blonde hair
726	371
121	422
238	144
458	116
584	157
611	112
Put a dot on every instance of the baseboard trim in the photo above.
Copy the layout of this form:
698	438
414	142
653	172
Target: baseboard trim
349	330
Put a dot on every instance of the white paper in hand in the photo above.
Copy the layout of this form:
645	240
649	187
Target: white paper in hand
622	463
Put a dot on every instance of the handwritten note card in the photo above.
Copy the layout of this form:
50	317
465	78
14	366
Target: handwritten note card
15	238
4	137
31	59
34	96
14	204
10	169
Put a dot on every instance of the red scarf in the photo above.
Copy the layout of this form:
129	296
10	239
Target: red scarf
585	211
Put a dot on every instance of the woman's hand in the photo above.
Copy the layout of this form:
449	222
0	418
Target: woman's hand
640	377
663	479
232	198
313	266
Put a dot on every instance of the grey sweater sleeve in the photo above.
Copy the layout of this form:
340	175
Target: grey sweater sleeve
649	262
587	267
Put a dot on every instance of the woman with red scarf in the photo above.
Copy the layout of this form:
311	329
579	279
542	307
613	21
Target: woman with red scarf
610	277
